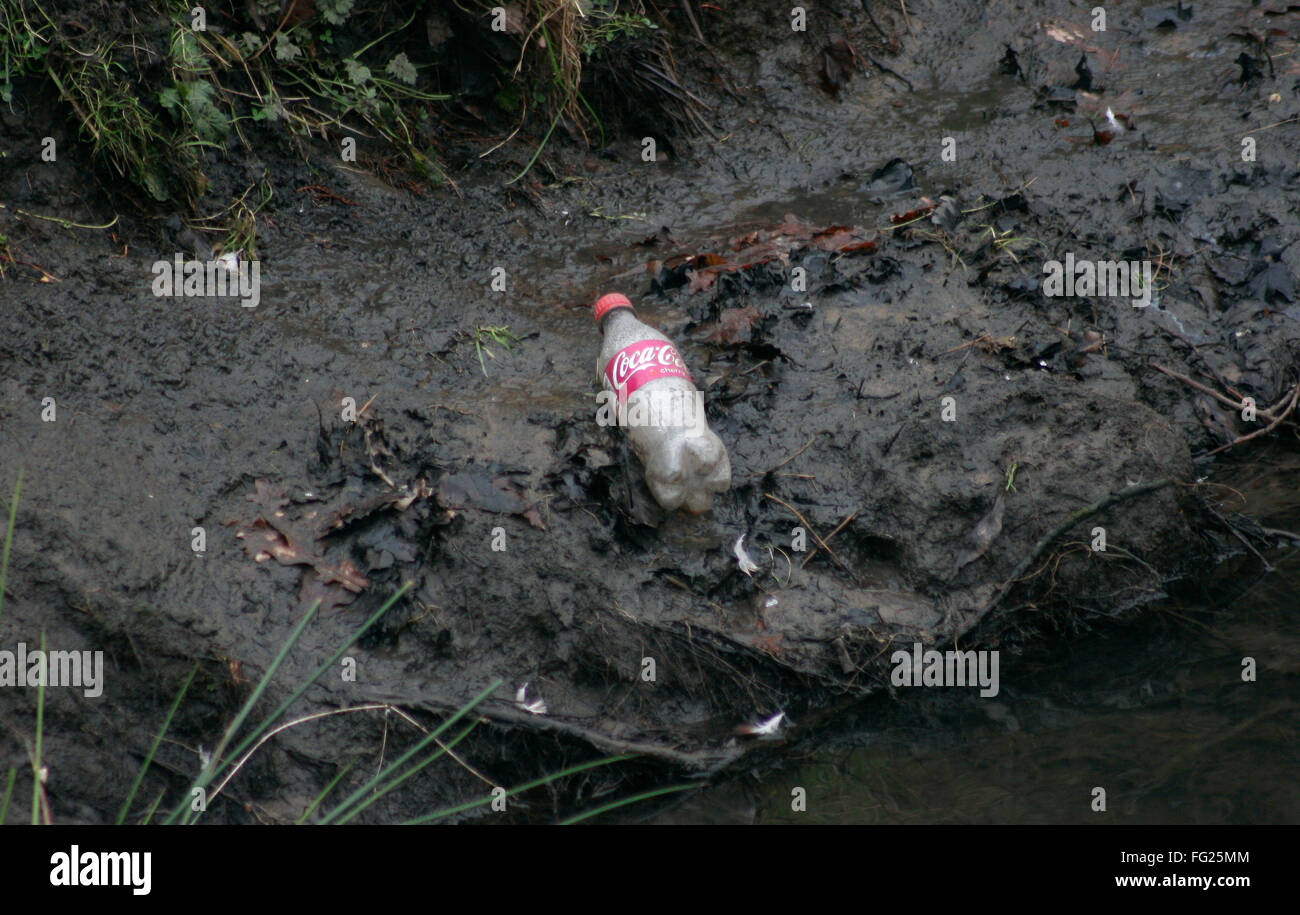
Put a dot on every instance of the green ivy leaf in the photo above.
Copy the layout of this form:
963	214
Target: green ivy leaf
209	121
335	11
155	185
402	69
285	49
357	72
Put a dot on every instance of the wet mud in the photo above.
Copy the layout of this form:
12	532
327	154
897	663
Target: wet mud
941	437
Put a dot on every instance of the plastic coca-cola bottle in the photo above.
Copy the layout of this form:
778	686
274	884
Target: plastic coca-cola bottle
653	398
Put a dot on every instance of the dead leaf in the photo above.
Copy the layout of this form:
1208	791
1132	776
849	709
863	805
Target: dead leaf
350	515
774	244
264	542
701	280
898	218
735	325
1063	32
768	644
330	596
839	61
268	496
296	542
344	573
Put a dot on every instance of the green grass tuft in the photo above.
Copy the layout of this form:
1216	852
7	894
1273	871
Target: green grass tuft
135	786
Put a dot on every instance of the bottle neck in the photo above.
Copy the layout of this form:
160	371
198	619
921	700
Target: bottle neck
612	317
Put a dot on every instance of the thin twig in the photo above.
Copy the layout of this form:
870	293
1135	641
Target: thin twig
759	473
1218	376
804	521
366	406
896	75
284	727
370	707
839	527
383	747
796	454
1232	529
1295	396
1235	404
450	752
690	14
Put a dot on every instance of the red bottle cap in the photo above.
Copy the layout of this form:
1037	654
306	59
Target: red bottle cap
609	302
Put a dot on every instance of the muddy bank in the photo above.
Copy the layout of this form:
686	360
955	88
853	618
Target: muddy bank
174	414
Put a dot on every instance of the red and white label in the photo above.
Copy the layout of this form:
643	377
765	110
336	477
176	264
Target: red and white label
642	362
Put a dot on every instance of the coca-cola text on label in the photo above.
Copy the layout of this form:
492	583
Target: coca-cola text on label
642	362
